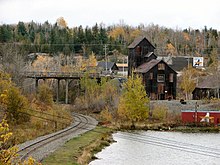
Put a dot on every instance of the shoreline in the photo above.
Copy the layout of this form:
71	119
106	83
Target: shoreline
94	141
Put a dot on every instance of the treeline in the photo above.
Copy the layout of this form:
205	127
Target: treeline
59	38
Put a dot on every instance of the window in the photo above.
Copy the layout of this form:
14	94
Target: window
160	88
160	78
151	76
161	66
171	77
138	50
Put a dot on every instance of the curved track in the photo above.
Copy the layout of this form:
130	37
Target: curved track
42	146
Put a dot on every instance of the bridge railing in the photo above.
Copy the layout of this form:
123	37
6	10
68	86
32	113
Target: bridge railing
39	74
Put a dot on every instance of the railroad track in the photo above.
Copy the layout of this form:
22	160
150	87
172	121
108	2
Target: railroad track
43	146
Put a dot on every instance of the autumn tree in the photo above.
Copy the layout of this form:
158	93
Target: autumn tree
91	91
12	61
213	61
89	64
61	22
45	94
133	103
188	81
8	155
12	101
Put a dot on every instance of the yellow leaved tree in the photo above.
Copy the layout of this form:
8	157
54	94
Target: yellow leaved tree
89	64
188	81
133	104
8	155
12	102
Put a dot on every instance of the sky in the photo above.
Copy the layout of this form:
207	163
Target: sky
176	14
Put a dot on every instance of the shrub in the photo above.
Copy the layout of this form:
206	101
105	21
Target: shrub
45	94
106	116
159	112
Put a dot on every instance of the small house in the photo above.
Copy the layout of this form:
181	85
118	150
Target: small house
107	67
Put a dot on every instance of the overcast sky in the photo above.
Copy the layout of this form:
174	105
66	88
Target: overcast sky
169	13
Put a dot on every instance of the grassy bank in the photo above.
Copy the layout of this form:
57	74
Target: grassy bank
197	129
81	150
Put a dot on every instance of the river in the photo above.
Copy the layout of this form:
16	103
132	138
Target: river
161	148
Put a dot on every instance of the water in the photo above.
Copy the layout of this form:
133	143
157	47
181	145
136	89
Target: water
161	148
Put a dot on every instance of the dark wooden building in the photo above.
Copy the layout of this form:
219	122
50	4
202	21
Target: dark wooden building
139	51
207	88
159	78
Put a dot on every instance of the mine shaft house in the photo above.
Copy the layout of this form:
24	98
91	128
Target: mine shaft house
159	78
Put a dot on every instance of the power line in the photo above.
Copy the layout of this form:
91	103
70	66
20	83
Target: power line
98	44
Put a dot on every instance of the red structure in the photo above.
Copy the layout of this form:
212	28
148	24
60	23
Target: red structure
190	116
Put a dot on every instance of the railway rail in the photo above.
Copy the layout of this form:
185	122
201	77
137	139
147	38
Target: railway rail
43	146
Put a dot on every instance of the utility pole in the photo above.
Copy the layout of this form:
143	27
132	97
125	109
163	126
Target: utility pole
105	48
123	65
196	113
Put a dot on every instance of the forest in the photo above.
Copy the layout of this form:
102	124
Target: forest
58	38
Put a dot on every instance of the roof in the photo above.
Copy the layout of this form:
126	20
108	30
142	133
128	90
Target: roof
109	64
210	111
177	63
149	54
137	41
145	67
206	83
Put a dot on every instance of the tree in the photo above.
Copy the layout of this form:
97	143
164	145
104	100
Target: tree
133	103
8	155
45	94
12	61
61	22
12	101
21	29
188	81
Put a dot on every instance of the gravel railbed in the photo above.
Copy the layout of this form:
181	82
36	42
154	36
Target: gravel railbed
44	151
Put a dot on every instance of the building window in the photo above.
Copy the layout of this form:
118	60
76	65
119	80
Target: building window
138	50
151	76
160	78
161	66
171	77
160	88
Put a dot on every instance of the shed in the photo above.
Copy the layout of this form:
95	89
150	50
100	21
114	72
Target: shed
110	67
208	87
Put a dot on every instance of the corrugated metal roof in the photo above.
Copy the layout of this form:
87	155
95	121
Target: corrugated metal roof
210	82
145	67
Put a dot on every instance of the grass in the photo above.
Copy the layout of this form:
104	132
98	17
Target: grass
80	150
37	126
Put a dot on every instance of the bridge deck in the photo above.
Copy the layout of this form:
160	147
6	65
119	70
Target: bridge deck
62	75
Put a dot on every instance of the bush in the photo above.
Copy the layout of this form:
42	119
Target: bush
106	116
159	112
45	94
